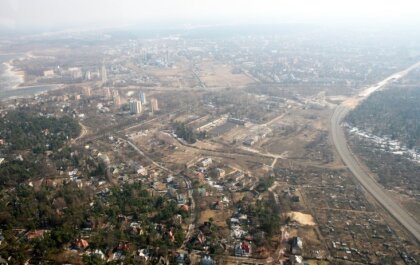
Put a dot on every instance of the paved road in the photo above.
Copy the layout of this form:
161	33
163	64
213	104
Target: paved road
361	175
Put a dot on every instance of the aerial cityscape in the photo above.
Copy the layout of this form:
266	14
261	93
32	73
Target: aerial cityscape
208	143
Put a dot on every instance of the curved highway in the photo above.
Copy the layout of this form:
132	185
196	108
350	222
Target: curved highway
373	187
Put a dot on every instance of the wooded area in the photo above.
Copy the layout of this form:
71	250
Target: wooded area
394	112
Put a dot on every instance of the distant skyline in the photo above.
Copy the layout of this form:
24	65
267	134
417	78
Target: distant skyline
55	14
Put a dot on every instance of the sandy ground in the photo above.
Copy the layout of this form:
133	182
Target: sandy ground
17	76
304	219
351	103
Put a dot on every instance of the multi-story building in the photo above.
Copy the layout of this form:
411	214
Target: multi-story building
107	93
75	72
104	75
135	107
154	105
117	101
87	91
142	97
49	73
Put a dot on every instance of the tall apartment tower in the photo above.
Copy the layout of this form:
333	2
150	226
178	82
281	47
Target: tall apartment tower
86	91
117	101
107	93
104	75
116	98
142	97
154	105
88	75
135	107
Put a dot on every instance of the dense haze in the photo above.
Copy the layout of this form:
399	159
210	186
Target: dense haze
49	14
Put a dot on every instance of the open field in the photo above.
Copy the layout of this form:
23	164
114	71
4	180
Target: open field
220	75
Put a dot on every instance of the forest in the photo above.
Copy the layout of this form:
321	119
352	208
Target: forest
69	213
392	170
393	112
23	130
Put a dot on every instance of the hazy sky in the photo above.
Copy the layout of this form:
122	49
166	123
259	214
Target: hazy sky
68	13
